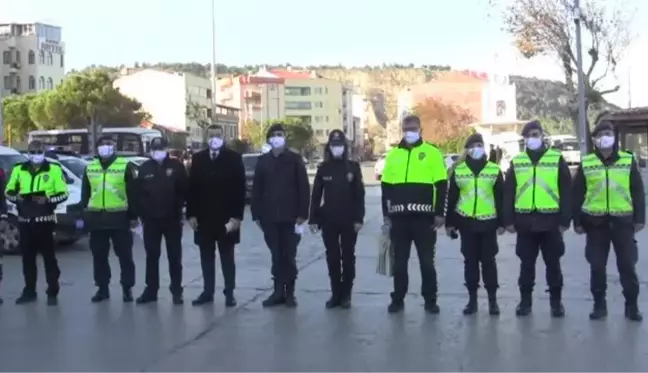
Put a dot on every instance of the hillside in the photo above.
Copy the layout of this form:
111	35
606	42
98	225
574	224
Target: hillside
536	98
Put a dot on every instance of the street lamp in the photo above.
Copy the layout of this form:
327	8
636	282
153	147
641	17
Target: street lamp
582	110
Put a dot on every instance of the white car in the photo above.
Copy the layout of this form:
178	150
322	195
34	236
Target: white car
65	231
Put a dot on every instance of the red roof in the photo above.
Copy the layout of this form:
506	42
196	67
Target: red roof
297	74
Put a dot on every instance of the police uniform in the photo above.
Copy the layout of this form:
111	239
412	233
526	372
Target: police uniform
537	203
475	192
107	187
28	183
413	187
609	203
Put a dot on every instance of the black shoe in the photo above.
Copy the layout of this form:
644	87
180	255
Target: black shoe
345	297
127	295
493	307
147	297
203	298
25	298
291	301
557	309
632	312
177	299
471	307
100	296
52	300
524	307
230	301
599	311
345	302
334	301
396	306
277	297
432	307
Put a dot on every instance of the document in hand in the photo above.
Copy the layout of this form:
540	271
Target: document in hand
138	231
385	264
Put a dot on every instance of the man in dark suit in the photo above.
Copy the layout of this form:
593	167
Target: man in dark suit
215	204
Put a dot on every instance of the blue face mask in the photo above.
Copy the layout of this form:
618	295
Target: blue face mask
411	137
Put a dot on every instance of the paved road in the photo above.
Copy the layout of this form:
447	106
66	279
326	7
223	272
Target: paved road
80	336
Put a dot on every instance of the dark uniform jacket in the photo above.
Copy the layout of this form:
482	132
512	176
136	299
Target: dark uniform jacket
454	220
111	220
280	189
539	222
162	189
339	181
216	193
582	219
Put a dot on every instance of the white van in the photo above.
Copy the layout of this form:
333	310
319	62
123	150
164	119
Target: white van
65	232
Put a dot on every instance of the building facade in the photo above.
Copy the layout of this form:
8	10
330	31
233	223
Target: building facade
33	57
178	101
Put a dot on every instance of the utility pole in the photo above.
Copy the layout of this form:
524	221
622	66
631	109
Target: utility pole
582	110
213	62
629	87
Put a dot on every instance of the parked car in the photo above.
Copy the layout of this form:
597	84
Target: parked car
67	213
249	161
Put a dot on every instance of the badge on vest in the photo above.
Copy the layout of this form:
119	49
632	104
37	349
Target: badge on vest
46	177
350	176
421	156
169	172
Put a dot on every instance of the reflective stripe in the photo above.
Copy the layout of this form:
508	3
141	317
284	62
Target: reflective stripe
411	207
38	219
537	185
608	187
476	196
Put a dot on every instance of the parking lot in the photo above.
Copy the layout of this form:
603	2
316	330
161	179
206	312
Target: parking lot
113	336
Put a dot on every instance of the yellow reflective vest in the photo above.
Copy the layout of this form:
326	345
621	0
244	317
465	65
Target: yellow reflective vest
608	187
410	175
476	193
107	187
537	185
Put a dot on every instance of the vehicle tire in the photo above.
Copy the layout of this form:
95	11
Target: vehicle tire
10	235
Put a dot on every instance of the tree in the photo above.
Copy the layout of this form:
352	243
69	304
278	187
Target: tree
546	28
447	126
299	135
239	146
254	133
15	111
197	113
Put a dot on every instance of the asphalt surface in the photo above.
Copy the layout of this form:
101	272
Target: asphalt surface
113	336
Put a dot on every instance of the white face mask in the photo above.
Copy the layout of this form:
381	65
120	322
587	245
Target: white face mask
476	152
158	155
215	143
277	141
605	142
337	150
37	158
534	143
105	150
411	137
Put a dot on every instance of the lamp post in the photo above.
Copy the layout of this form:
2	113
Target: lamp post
213	62
582	110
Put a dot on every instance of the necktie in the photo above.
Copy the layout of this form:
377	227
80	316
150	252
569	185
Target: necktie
213	156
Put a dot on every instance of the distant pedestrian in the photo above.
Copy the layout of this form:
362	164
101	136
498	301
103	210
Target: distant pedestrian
215	206
338	182
280	201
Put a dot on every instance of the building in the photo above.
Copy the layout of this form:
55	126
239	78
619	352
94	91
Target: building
178	101
360	107
33	57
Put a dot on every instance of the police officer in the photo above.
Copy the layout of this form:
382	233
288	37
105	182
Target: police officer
36	187
413	187
537	205
475	193
162	187
610	208
3	218
107	195
340	217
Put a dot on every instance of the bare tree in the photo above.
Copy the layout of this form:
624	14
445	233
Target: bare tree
198	114
547	28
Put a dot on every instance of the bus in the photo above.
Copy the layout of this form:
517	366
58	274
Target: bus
129	140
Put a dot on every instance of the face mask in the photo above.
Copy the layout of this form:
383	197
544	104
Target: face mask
606	142
215	143
105	151
37	158
337	151
277	141
411	137
476	153
534	143
265	148
158	155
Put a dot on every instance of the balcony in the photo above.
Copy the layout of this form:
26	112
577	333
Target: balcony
14	67
252	96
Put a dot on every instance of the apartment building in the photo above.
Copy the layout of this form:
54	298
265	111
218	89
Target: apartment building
33	57
171	97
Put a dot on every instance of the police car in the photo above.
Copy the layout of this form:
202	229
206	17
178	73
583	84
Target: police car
66	212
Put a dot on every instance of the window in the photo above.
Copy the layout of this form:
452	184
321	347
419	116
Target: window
6	57
41	83
41	57
297	91
61	60
18	56
31	57
318	91
50	58
32	82
7	82
318	119
18	84
298	105
327	119
209	113
319	104
319	132
209	93
50	83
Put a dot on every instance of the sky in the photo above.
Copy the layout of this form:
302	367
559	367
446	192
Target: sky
460	33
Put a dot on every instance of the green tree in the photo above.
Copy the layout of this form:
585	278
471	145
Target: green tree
197	113
299	135
17	121
240	146
254	133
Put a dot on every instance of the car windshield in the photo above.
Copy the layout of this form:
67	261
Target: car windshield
250	162
76	165
8	161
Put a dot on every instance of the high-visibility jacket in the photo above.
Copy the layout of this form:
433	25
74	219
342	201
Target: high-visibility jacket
476	192
537	185
27	183
608	186
107	186
410	174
